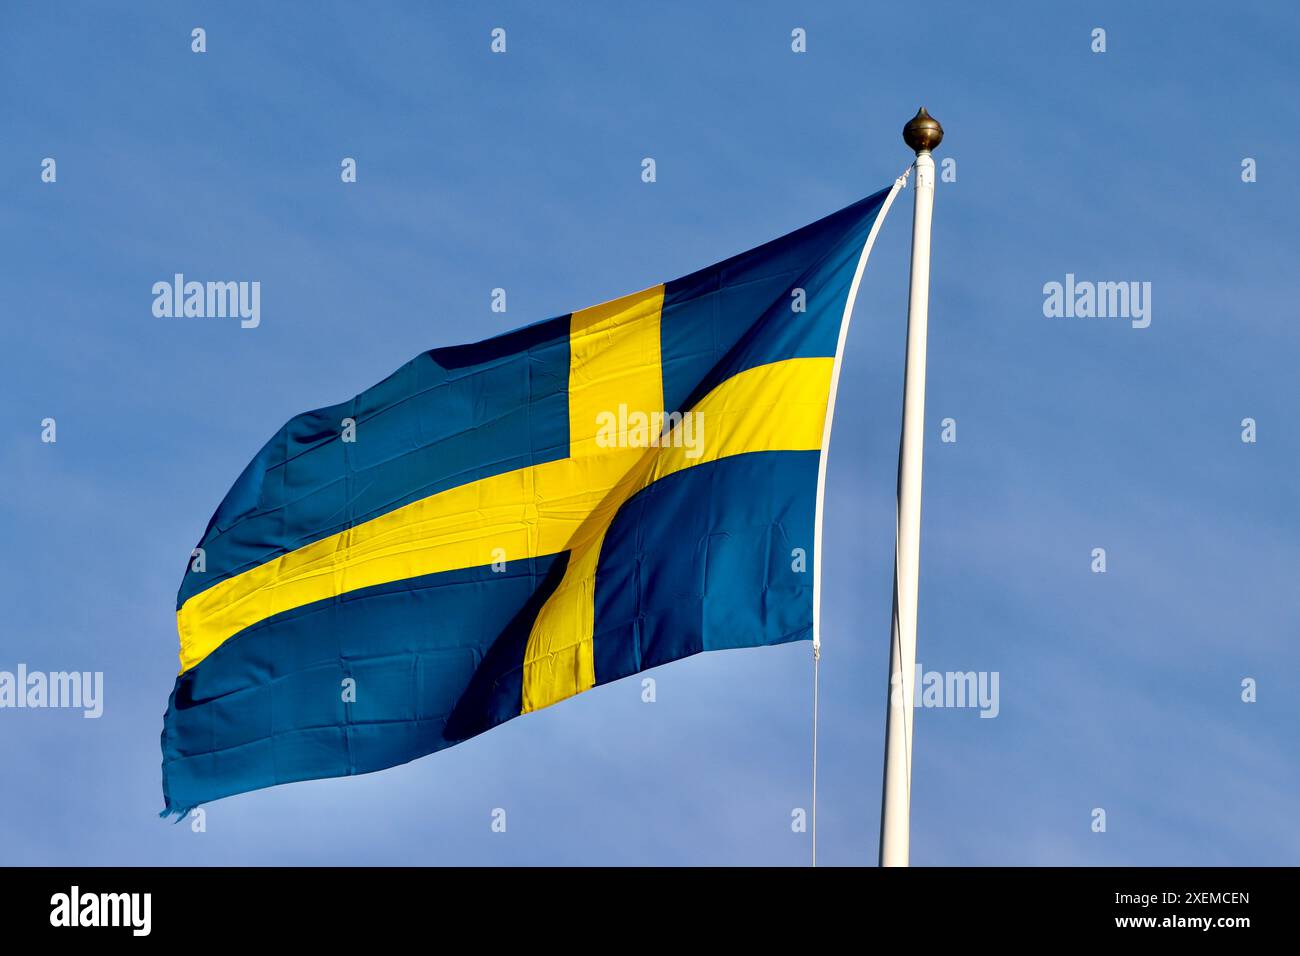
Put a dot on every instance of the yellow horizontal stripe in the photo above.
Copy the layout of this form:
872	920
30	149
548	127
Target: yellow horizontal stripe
556	506
777	407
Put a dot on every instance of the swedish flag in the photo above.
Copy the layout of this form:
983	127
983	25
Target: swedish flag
496	527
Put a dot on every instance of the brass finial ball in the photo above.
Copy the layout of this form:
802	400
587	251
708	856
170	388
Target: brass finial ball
922	132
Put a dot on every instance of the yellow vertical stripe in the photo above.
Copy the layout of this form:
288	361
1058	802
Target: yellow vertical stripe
614	360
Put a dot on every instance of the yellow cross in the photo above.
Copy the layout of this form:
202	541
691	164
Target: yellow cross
563	505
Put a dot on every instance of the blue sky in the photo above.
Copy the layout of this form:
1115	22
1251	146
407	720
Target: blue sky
1118	690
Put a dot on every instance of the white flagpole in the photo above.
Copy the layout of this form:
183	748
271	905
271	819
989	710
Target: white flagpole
821	477
922	134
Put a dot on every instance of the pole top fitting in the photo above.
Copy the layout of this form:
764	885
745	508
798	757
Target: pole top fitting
922	132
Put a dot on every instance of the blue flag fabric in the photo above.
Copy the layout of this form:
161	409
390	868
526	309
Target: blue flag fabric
496	527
